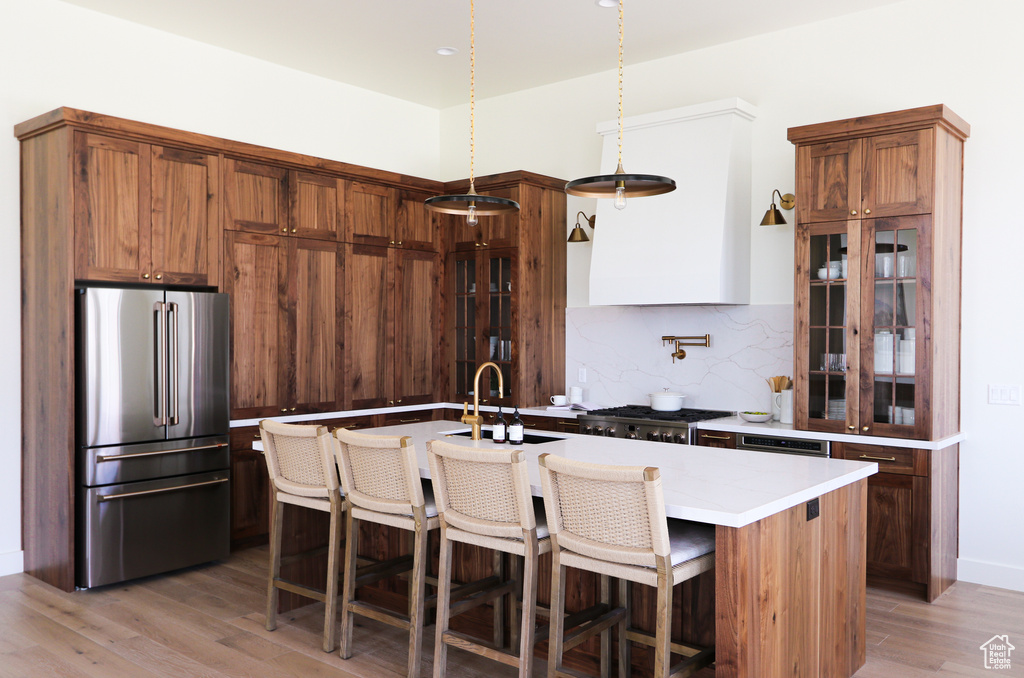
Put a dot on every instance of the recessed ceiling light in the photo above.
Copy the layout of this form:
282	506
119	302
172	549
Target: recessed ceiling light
447	51
606	3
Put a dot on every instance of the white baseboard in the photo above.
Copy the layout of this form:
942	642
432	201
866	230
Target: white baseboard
12	562
990	574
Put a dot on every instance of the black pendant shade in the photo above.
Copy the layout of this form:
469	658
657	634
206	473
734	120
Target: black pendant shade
486	205
605	185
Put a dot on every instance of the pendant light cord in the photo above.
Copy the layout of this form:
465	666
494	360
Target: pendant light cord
621	30
472	94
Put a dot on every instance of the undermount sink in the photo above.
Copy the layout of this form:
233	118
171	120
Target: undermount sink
528	438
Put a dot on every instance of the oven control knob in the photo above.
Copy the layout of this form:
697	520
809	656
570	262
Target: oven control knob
631	435
680	438
666	437
585	429
652	435
598	430
610	432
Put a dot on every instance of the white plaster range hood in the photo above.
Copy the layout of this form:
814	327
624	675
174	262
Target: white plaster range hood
690	246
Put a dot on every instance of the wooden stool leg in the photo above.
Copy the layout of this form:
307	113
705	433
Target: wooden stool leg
417	588
557	614
606	635
529	626
663	627
516	574
275	562
444	590
348	589
333	562
498	568
625	647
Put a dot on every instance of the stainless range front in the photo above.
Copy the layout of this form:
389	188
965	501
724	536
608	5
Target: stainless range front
637	422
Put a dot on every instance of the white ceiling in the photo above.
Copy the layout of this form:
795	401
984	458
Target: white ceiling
389	46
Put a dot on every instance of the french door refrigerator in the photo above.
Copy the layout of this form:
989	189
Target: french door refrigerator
152	420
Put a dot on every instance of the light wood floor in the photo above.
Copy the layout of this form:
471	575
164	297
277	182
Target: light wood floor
208	621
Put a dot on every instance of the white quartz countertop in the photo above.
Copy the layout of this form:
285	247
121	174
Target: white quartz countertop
736	425
709	485
291	418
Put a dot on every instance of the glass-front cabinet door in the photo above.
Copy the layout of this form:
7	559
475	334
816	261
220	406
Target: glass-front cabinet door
483	323
859	310
827	309
892	313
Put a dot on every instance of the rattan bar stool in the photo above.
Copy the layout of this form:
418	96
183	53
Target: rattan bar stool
484	498
611	520
382	485
300	460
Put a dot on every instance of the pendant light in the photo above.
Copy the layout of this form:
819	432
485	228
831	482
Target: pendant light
620	185
471	204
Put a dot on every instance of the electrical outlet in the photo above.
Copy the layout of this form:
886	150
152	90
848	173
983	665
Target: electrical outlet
581	376
1001	394
813	509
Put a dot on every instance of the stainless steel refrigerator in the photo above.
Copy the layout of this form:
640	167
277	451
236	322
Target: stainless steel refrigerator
152	419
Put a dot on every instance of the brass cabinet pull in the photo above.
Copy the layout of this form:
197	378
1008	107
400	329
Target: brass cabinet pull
484	401
125	495
407	421
705	435
569	423
867	456
349	426
133	455
529	425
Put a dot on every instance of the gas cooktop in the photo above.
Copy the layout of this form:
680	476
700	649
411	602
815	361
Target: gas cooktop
644	412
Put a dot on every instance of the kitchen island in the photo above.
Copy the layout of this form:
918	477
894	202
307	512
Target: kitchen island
789	580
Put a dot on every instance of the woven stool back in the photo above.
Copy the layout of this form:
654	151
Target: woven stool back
379	473
486	492
300	458
612	513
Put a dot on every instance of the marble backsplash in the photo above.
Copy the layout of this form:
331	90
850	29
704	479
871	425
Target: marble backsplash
622	351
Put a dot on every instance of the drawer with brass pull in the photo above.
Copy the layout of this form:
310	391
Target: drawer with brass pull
901	460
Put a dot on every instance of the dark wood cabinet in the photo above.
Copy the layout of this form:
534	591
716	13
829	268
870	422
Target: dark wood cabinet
877	306
255	197
505	293
286	296
716	439
316	205
912	528
250	489
144	213
391	325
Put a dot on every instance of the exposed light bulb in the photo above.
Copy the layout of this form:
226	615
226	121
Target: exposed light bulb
620	197
471	219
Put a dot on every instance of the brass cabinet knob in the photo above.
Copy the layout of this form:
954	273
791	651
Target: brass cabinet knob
853	212
853	428
391	402
399	401
484	401
392	242
292	409
399	243
295	230
867	211
145	276
284	230
284	409
484	245
864	428
159	276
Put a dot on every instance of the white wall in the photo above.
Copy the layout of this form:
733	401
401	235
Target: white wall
53	54
915	53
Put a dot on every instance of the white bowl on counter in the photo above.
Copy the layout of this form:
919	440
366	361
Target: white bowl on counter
667	401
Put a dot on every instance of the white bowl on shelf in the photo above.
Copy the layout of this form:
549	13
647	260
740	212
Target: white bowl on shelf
755	418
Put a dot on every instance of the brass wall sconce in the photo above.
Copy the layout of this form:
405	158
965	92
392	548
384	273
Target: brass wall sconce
679	353
773	217
578	234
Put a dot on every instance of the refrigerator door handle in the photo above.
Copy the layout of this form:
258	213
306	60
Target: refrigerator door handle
125	495
134	455
172	335
160	365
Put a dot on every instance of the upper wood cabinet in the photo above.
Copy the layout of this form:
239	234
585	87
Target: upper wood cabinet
286	303
877	307
507	304
144	213
392	328
387	217
882	176
494	232
255	197
317	205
